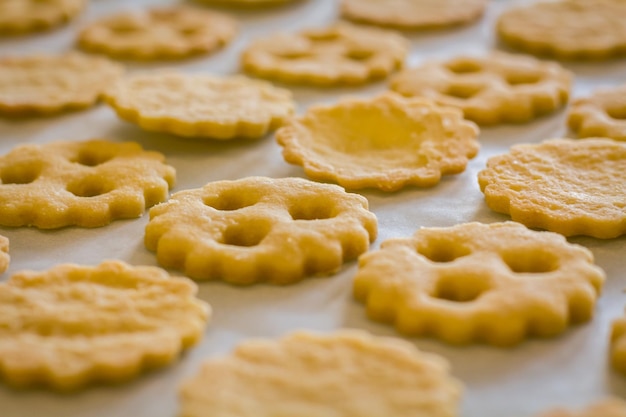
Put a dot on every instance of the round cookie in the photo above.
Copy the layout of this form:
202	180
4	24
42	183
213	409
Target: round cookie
341	54
198	105
387	142
346	373
473	282
159	33
572	187
73	325
413	14
22	16
260	229
601	114
496	88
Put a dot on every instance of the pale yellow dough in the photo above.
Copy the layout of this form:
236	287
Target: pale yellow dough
387	142
22	16
345	373
610	407
4	254
603	114
73	325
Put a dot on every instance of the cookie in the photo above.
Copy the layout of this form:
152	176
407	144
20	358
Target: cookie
260	229
601	114
568	186
22	16
4	254
491	89
473	282
611	407
337	55
45	84
73	325
413	14
198	105
387	142
345	373
247	3
160	33
618	345
87	183
566	29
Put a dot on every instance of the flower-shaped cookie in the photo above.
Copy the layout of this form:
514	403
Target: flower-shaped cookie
413	14
602	114
346	373
162	33
84	184
618	345
610	407
198	105
260	229
337	55
567	29
573	187
20	16
72	325
386	142
4	254
474	282
43	84
491	89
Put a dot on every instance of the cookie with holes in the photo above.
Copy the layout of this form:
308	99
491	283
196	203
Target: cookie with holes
23	16
159	33
87	183
474	282
336	55
260	229
568	186
603	114
491	89
72	325
46	84
387	142
200	105
610	407
4	253
344	373
566	29
413	14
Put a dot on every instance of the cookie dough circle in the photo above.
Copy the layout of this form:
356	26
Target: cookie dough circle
22	16
601	114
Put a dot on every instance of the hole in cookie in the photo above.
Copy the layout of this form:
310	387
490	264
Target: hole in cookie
463	91
536	261
442	251
460	289
521	79
311	210
245	234
20	174
359	54
618	114
464	66
230	200
91	158
88	187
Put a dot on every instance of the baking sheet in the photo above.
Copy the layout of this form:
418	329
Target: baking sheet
569	370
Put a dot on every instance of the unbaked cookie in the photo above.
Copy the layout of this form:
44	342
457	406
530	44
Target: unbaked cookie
473	282
260	229
567	29
87	183
199	105
346	373
601	114
161	33
496	88
573	187
386	142
413	14
44	84
611	407
4	254
336	55
72	325
21	16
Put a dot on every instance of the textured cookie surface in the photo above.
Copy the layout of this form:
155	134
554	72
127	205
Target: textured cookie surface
602	114
611	407
573	187
346	373
386	142
567	29
197	105
72	325
260	229
163	33
4	253
413	14
618	345
491	89
474	282
42	84
336	55
21	16
86	183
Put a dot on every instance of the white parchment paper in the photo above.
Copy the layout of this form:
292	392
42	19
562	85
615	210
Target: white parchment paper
569	370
